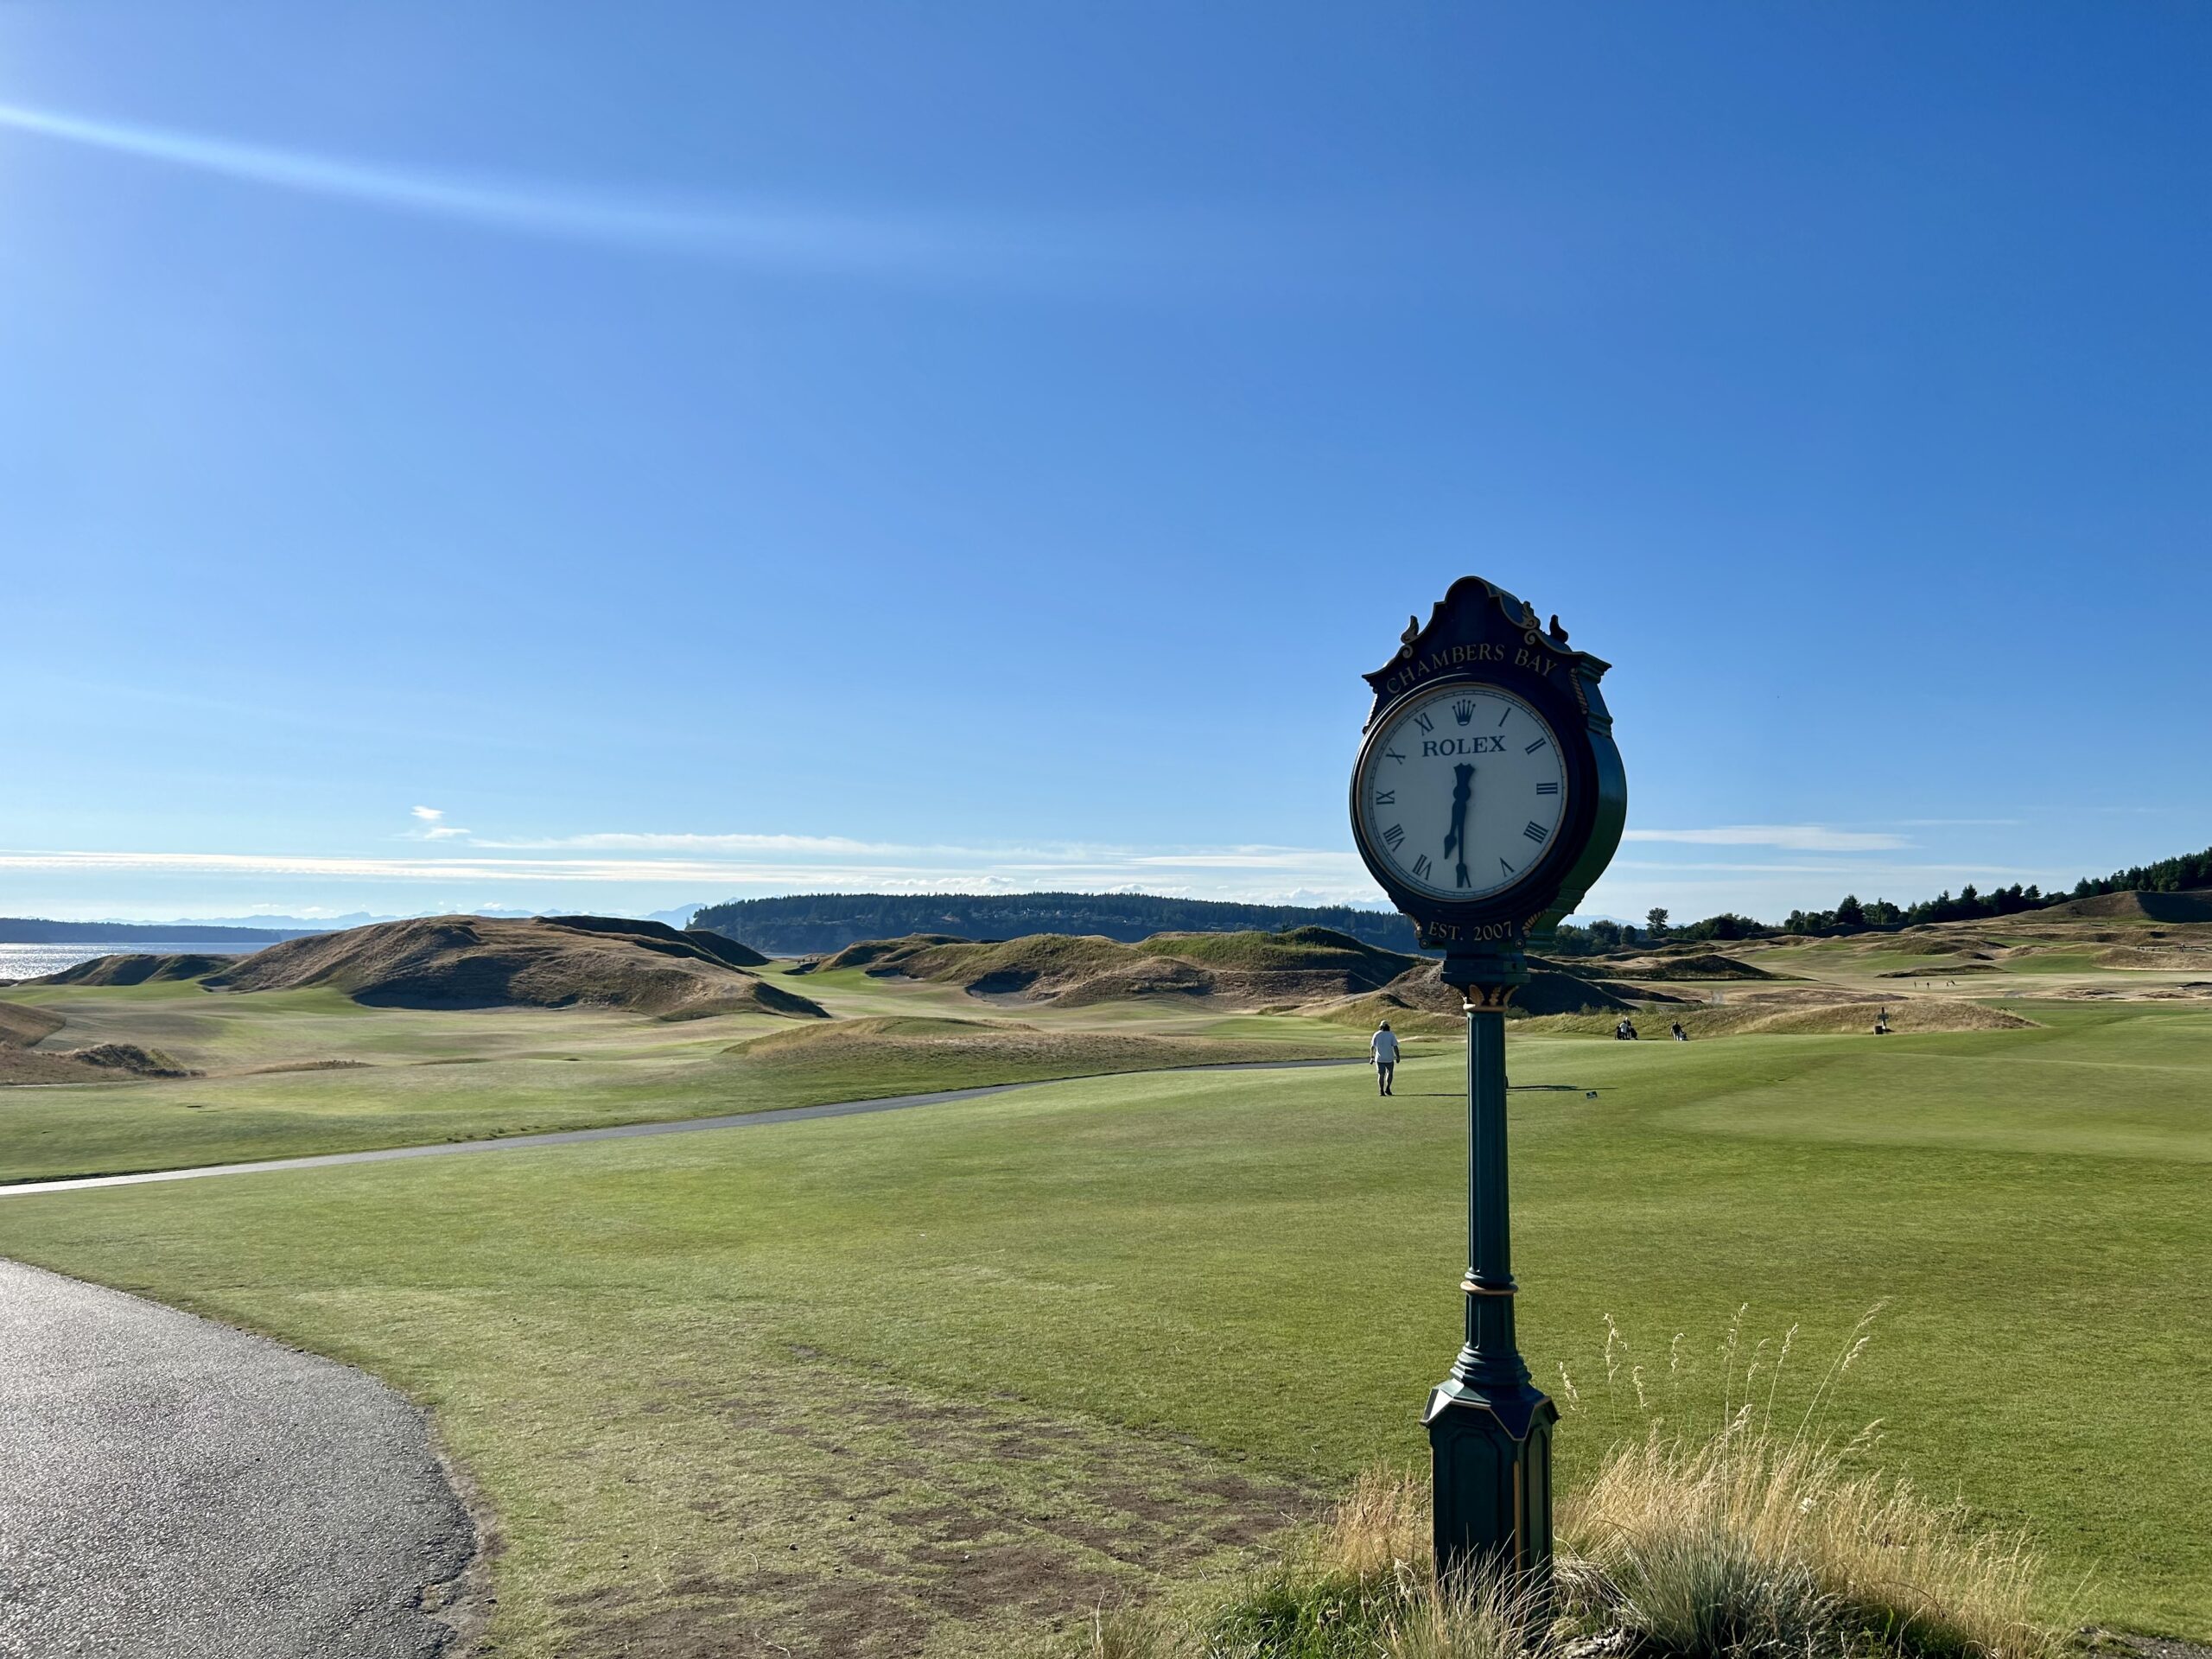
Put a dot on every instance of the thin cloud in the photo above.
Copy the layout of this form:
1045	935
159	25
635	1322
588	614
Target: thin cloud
1062	246
433	830
632	841
1791	837
1256	873
768	235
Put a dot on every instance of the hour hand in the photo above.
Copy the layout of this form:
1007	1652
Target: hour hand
1456	840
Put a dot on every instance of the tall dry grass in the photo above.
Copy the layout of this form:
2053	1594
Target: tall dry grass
1753	1542
1721	1535
1743	1533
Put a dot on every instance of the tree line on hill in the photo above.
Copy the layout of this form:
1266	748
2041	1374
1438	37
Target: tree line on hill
2186	874
815	924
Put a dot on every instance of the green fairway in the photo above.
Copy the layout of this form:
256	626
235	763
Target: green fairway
293	1073
837	1384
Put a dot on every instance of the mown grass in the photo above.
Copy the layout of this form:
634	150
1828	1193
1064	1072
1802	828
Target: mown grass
940	1374
407	1076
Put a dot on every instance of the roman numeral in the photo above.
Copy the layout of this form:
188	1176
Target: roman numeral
1535	831
1424	722
1547	789
1392	754
1390	797
1463	877
1507	716
1534	747
1420	867
1507	867
1392	836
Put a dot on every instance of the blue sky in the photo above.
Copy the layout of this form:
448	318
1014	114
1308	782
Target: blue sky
609	458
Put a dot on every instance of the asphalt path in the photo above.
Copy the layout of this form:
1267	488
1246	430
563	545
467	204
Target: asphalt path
173	1489
617	1131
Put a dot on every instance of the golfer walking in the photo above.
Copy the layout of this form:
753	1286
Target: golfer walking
1384	1048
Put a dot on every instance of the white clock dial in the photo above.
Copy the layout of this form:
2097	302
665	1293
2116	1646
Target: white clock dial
1463	791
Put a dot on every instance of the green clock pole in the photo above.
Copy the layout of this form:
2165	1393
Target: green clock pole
1489	1428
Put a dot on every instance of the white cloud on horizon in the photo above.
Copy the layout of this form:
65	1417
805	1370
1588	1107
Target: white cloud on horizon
1790	838
1209	873
638	868
429	816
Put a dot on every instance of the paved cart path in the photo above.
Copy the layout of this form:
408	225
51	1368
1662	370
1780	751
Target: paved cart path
623	1131
173	1489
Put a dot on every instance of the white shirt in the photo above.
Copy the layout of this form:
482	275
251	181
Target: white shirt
1386	1048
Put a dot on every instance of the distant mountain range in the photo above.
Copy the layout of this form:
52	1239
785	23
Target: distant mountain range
815	924
24	930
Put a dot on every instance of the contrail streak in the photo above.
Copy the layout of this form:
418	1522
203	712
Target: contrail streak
761	235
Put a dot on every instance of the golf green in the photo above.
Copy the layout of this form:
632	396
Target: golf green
922	1376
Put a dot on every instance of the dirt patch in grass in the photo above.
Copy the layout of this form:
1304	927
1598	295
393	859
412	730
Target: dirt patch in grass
904	1517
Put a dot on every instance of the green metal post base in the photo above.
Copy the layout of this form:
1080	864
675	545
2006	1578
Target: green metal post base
1491	1461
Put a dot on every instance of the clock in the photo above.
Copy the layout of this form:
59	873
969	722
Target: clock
1488	793
1462	791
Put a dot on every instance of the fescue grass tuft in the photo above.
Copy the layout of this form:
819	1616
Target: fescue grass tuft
1752	1542
1751	1538
1737	1540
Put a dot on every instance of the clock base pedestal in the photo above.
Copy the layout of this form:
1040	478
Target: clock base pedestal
1490	1458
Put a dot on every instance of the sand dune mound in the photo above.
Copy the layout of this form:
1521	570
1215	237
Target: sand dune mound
842	1039
138	969
1926	1014
1796	1017
2170	907
1704	964
129	1059
475	962
1941	970
1365	1012
660	935
101	1063
1419	1000
879	953
1297	967
20	1027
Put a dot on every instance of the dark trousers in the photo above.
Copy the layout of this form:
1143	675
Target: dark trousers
1383	1070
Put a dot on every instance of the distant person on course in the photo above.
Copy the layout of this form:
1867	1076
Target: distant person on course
1680	1036
1384	1048
1624	1032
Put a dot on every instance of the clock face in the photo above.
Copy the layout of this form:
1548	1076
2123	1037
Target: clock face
1462	793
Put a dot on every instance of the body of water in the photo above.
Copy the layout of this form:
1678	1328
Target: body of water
30	961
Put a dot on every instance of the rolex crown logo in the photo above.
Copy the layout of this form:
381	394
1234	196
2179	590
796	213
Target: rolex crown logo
1463	711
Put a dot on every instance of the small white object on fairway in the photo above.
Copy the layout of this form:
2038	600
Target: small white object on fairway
173	1488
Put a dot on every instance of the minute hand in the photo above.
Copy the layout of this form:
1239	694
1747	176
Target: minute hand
1463	789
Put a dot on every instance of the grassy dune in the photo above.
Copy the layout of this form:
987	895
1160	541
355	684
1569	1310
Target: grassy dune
853	1386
